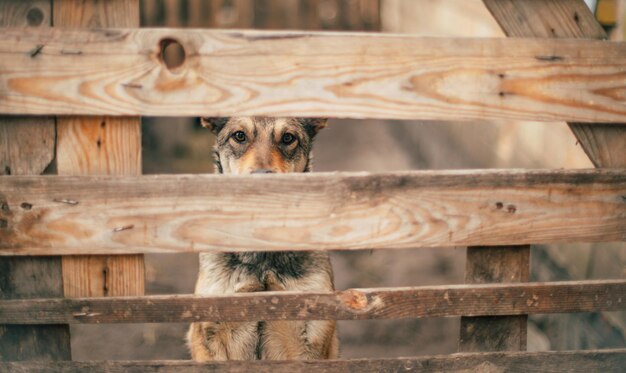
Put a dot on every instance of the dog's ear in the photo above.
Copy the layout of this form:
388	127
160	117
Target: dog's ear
313	125
215	124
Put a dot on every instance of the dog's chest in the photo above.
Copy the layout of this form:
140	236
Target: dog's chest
259	264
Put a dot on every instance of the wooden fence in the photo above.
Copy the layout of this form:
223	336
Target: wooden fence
93	80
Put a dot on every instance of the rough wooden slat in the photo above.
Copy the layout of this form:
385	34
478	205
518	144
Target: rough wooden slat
119	72
606	361
193	213
99	146
27	148
545	18
495	265
32	277
26	144
353	304
605	144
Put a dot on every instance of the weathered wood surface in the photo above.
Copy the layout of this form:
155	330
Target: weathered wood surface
352	304
99	146
32	277
27	148
486	265
26	144
362	15
606	361
605	144
119	72
193	213
545	18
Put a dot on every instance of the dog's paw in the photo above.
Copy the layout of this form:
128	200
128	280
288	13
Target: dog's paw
249	287
272	283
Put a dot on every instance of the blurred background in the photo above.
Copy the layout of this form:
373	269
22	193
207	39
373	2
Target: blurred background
180	145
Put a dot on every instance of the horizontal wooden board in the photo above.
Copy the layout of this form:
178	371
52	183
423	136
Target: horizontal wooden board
353	304
227	73
320	211
605	361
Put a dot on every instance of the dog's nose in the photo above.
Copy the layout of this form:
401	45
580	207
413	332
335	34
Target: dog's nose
262	171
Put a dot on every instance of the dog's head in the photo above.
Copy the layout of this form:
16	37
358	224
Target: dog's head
246	145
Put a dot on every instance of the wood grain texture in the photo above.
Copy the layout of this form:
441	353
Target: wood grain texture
27	148
193	213
26	144
99	146
352	304
606	361
119	72
495	265
545	19
96	13
19	13
25	278
604	144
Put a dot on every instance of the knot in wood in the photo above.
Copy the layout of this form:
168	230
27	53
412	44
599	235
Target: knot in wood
354	299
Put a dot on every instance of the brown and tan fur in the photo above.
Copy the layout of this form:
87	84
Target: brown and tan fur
270	145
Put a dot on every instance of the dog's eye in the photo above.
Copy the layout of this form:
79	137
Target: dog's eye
288	139
239	136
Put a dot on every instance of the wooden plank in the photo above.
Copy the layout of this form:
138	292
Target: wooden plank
194	213
605	144
99	146
495	265
606	361
545	19
119	72
26	144
32	277
27	148
353	304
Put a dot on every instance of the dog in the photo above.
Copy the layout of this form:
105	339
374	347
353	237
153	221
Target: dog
249	145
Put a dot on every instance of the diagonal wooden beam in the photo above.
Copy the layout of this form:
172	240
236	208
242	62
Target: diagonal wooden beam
605	144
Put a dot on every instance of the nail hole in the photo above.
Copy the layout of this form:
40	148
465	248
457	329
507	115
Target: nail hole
26	206
172	54
34	17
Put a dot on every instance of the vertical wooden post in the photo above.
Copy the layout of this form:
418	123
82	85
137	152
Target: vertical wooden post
495	333
27	148
99	146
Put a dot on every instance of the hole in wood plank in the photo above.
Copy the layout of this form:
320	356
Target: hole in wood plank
34	17
172	54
